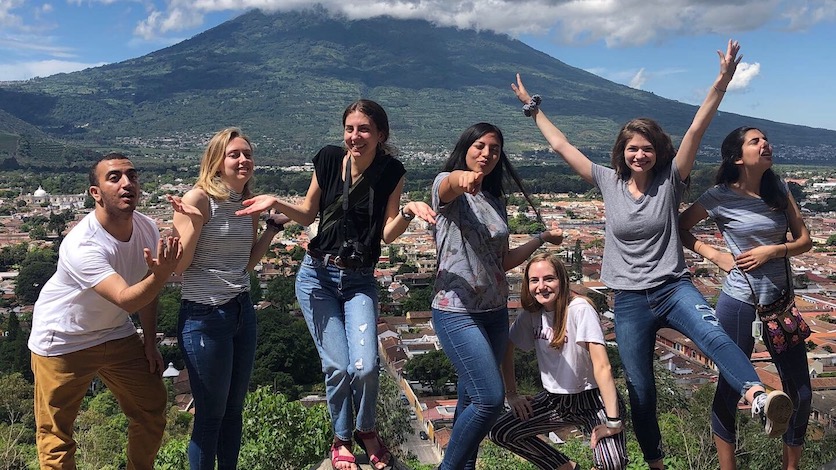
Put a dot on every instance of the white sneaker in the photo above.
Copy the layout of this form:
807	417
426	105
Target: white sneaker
775	410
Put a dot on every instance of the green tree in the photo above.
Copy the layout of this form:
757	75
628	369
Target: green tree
14	353
285	355
599	301
577	261
13	255
432	369
419	299
281	292
168	311
392	417
35	270
406	268
37	232
56	224
101	433
17	422
797	191
297	253
282	434
831	240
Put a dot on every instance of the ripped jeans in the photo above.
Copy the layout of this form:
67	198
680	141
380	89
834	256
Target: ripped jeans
679	305
340	309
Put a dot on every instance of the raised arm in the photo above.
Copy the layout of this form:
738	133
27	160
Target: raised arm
398	219
557	140
459	182
687	152
687	219
190	213
517	256
302	214
275	222
131	299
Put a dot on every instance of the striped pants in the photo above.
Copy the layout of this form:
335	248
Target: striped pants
551	412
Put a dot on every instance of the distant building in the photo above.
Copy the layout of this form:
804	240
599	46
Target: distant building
56	201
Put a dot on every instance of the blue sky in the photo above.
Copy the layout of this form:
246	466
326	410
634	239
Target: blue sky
667	47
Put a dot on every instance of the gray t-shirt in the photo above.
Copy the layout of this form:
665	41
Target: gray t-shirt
471	239
747	222
642	248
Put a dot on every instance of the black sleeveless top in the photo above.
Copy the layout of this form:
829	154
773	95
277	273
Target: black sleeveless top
329	175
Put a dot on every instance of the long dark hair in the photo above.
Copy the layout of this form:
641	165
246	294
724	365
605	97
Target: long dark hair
771	190
650	130
493	182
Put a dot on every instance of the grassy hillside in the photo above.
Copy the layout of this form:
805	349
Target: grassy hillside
285	78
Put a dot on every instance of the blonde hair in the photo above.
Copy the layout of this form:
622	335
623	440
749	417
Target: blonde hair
561	303
210	165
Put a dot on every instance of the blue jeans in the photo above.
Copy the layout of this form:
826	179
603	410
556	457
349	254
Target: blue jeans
679	305
340	308
218	345
736	318
475	344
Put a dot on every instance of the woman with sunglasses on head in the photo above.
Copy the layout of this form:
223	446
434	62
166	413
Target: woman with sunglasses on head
753	209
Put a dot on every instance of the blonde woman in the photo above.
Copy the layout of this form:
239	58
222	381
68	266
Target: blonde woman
217	324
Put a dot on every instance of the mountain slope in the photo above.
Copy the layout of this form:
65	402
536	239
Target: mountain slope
285	79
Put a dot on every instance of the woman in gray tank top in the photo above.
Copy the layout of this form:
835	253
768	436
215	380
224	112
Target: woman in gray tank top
753	209
643	259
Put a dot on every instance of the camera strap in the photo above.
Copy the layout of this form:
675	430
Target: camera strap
351	194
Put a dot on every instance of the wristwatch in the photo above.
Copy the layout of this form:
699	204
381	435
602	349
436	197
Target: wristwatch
274	226
613	423
405	215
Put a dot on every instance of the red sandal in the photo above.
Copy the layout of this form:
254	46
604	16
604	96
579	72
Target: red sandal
382	451
335	453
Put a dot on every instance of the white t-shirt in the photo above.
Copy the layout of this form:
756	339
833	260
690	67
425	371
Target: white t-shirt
569	369
69	315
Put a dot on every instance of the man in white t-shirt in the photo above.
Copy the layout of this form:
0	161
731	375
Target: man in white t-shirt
81	326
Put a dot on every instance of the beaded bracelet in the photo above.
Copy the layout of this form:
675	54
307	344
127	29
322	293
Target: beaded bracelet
532	105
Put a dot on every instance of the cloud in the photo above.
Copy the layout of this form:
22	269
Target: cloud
7	18
807	13
620	23
744	75
26	44
638	79
43	68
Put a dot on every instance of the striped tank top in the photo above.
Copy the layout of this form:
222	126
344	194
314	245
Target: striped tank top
219	268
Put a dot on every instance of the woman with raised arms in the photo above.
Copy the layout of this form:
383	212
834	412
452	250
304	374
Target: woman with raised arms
643	259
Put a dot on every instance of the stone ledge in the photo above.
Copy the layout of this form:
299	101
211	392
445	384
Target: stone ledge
362	463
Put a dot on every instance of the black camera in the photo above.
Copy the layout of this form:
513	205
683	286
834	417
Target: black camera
352	255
